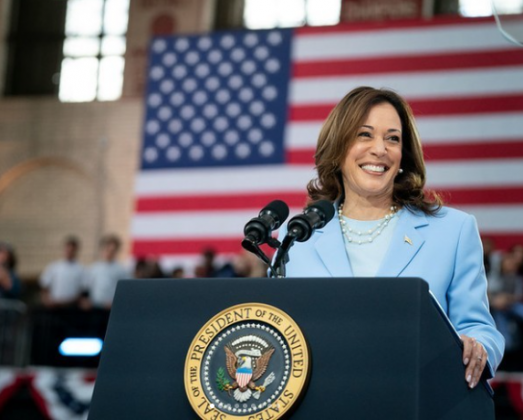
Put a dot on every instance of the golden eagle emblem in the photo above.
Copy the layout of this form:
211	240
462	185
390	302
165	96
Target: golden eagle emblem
247	359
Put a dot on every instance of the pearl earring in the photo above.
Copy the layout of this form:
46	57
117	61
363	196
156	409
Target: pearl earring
400	171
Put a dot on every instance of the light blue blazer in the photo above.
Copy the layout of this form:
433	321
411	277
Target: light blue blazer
445	250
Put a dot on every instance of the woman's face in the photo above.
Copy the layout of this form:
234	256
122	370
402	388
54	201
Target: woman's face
374	158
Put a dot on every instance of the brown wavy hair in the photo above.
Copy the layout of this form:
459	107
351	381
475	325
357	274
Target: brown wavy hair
339	133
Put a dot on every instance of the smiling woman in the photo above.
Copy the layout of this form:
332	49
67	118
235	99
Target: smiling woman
371	128
373	161
370	166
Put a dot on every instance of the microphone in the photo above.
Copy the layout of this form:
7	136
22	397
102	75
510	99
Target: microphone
300	228
258	230
317	215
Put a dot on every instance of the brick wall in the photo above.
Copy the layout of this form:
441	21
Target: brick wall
68	168
65	169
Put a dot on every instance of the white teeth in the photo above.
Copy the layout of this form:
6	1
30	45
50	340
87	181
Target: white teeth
373	168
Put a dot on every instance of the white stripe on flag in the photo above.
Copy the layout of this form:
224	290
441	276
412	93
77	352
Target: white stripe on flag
412	85
499	219
223	180
433	130
194	225
399	41
478	173
229	224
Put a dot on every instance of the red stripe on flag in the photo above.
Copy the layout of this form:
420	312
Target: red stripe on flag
483	196
426	107
143	247
301	156
504	241
469	151
508	195
439	152
408	63
475	105
218	202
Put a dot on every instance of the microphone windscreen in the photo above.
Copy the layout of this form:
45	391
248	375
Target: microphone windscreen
279	208
326	208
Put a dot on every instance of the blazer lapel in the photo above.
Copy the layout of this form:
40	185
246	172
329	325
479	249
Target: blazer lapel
331	249
406	242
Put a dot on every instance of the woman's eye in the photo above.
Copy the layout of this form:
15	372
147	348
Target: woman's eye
395	139
364	134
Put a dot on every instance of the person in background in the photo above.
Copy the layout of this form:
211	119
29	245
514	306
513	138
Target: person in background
156	271
244	264
61	281
178	272
370	165
506	300
207	267
141	268
491	258
10	284
517	252
104	274
147	268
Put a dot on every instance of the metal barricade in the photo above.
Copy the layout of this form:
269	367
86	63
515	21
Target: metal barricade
13	333
49	327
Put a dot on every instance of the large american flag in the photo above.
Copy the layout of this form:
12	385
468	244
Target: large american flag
232	120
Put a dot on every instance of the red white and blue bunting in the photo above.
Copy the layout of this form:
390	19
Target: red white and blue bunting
60	394
65	394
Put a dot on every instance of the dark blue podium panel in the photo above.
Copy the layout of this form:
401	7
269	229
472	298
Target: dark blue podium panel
380	348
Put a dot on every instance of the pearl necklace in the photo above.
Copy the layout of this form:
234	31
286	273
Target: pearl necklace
373	233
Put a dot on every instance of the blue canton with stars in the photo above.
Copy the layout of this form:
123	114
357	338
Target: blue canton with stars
217	100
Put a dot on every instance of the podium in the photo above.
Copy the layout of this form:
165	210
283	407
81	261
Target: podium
380	348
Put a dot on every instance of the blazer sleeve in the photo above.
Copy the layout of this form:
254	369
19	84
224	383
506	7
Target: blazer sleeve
468	306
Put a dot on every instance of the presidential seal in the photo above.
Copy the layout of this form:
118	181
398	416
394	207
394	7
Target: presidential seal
249	362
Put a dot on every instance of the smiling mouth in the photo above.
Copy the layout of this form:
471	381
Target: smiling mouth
375	168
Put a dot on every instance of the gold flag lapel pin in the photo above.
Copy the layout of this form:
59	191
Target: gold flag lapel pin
408	240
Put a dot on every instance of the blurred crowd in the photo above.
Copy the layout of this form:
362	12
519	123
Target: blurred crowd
505	289
67	282
71	299
243	264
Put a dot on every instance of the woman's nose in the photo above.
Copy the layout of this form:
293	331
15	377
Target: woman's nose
379	147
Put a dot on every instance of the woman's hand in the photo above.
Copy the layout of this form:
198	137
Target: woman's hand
475	358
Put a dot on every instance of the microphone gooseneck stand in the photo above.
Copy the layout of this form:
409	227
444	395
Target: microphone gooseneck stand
300	228
282	255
